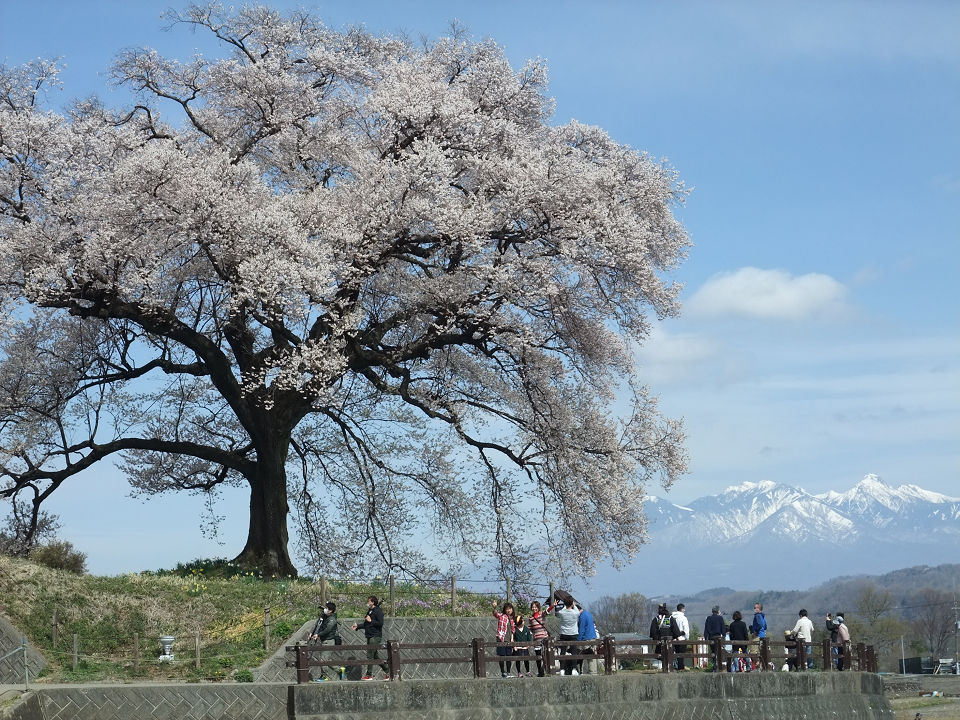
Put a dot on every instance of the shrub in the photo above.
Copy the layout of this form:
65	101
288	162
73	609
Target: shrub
244	675
60	555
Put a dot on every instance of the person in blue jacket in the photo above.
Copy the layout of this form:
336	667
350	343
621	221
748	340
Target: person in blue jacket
586	630
758	628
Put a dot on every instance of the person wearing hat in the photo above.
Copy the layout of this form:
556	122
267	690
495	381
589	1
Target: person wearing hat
843	637
660	628
325	629
714	628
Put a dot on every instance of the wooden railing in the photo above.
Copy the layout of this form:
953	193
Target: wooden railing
760	654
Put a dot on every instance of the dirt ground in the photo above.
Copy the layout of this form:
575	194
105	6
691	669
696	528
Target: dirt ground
905	695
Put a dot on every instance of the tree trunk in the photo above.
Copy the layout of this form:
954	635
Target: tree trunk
266	548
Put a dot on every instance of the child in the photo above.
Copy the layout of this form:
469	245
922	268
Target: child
522	634
505	627
539	631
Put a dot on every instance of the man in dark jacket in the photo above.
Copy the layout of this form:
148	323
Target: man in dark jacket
325	629
372	627
714	628
832	627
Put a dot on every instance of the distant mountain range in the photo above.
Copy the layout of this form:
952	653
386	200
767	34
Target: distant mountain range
774	536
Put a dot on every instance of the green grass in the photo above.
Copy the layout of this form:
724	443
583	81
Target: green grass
220	601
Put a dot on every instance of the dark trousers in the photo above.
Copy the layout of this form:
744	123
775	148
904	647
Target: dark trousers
539	652
374	654
680	649
524	653
505	664
566	666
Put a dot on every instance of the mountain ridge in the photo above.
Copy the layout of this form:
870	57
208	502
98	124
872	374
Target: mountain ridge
771	534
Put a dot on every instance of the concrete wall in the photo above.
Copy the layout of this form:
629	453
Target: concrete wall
626	696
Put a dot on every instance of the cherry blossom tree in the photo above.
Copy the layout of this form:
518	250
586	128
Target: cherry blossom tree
366	279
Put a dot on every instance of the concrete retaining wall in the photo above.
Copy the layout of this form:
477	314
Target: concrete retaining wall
626	696
11	669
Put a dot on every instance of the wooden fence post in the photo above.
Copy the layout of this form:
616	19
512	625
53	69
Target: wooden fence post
666	664
393	604
549	655
719	655
801	654
76	651
861	657
609	655
827	655
303	667
266	628
136	652
393	660
478	652
764	654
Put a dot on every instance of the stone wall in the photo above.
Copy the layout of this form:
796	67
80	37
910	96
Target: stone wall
155	702
626	696
11	669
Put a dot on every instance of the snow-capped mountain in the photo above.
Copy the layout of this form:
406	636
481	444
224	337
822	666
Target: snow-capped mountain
871	508
772	535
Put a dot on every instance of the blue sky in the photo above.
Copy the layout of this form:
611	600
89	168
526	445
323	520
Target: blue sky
819	339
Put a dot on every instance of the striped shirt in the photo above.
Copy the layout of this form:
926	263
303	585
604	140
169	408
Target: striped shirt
537	627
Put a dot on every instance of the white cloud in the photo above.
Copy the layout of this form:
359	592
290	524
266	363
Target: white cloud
769	294
666	357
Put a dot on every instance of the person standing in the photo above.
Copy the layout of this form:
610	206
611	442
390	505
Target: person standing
506	626
832	625
843	637
679	630
522	634
569	616
325	629
372	627
660	628
714	628
739	631
586	630
758	628
539	632
803	631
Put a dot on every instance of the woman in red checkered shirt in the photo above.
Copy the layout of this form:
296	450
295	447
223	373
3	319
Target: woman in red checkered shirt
506	625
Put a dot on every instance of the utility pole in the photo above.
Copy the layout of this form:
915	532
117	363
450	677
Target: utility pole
956	630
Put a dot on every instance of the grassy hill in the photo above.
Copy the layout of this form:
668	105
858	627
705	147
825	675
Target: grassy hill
218	601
